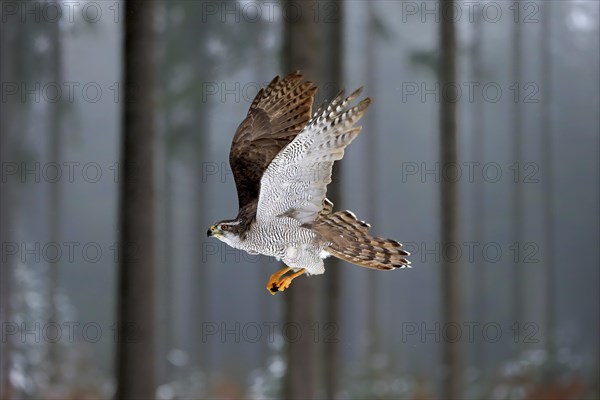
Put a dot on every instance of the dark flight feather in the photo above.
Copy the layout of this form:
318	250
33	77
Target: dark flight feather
277	114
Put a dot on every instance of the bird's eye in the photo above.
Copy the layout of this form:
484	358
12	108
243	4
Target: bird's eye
223	227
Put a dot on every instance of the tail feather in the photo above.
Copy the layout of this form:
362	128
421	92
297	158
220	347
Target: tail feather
350	241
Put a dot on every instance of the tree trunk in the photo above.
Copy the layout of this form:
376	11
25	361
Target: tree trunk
548	173
372	320
517	193
166	269
333	74
55	144
199	284
7	190
301	52
136	344
450	270
200	276
478	195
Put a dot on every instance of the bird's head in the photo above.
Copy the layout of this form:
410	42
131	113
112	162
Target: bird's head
226	231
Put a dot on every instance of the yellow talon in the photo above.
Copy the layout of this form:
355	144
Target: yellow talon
272	283
285	282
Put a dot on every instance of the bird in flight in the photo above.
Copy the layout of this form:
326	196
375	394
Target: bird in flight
281	158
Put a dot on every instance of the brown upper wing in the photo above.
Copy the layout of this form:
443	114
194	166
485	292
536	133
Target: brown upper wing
277	114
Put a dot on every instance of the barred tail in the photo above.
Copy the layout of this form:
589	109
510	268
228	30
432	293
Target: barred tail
351	242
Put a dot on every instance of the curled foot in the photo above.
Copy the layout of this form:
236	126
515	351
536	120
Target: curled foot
278	284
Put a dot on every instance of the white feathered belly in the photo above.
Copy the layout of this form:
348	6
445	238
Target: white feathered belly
297	247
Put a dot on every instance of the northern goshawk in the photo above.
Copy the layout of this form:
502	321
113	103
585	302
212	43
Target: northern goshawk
281	157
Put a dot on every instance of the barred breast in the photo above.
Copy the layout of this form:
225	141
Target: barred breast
284	238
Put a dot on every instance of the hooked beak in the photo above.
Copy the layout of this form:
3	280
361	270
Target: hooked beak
211	231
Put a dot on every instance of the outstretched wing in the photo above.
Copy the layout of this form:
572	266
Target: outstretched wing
277	114
295	182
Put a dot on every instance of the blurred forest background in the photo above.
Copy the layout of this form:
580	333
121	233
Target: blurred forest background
480	154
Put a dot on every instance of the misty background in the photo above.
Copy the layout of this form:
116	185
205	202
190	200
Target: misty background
527	75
